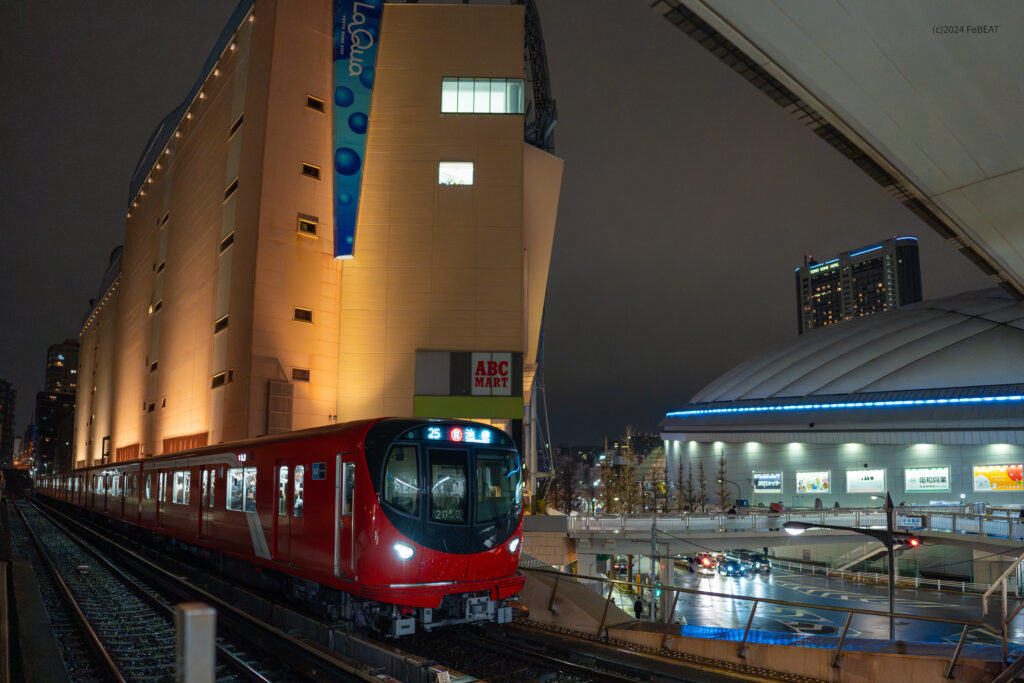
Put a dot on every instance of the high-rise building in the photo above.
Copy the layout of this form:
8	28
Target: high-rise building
54	417
872	279
8	398
344	219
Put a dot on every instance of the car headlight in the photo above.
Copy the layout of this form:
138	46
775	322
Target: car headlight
513	545
404	551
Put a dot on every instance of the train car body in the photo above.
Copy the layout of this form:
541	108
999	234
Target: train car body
392	523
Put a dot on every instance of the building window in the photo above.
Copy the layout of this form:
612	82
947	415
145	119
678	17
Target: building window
482	96
300	374
235	126
222	378
315	103
230	189
157	306
153	366
151	407
163	219
220	325
307	225
455	173
227	241
160	266
304	315
310	171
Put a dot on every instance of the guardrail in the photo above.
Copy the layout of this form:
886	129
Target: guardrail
848	611
906	519
904	581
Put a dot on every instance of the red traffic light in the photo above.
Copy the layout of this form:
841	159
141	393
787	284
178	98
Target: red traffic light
913	541
706	561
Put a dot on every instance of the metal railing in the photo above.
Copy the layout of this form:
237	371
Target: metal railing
883	578
848	611
907	519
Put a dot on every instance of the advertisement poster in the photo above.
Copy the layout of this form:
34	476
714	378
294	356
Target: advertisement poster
356	33
999	478
767	482
924	479
813	482
865	481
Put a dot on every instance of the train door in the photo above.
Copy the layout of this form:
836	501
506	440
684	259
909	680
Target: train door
105	478
161	479
207	479
283	513
344	506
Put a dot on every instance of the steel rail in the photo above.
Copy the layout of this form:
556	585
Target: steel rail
90	635
305	659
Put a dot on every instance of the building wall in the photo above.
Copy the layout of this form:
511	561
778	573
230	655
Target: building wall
742	459
435	267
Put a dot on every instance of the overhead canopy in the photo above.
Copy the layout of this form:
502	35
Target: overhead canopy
925	97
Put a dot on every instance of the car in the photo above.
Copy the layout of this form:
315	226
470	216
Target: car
760	564
731	568
704	563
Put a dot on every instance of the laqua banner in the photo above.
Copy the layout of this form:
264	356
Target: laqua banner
767	482
999	478
356	34
923	479
813	482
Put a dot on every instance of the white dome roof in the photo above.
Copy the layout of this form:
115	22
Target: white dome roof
969	340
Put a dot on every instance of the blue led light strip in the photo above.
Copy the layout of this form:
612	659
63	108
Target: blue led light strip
1017	398
865	251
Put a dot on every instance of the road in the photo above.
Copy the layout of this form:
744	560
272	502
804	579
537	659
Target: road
713	612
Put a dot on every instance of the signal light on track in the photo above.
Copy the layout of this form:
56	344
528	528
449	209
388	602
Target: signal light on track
913	541
706	561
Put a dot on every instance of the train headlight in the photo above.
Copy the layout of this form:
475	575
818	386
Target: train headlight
404	551
513	545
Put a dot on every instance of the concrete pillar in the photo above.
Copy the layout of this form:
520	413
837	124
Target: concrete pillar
196	655
667	597
987	569
586	565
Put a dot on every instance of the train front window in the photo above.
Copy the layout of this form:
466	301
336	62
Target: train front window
402	480
447	486
497	484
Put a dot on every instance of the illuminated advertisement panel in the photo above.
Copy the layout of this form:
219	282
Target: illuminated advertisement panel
813	482
924	479
356	34
865	481
767	482
998	478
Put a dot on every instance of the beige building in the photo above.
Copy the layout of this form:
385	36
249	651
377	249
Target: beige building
231	317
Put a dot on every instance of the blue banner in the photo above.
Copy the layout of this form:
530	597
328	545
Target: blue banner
356	34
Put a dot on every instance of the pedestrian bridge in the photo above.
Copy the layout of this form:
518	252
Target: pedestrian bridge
680	535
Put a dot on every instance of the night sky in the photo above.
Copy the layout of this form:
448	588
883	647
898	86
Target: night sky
688	197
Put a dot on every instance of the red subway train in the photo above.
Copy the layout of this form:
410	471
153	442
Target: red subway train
396	524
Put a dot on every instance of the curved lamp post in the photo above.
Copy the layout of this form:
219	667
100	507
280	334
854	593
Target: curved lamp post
885	537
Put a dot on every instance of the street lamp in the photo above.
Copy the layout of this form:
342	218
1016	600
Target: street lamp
885	537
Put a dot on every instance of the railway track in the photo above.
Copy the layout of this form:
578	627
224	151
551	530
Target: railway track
118	624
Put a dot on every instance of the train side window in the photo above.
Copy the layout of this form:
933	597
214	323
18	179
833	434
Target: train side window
300	471
349	490
241	489
213	487
497	485
402	480
447	486
282	491
204	495
161	486
149	487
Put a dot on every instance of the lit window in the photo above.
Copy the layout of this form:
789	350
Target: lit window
303	315
455	173
241	489
482	95
180	491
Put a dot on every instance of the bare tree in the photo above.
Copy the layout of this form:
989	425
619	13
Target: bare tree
680	489
723	496
702	487
631	498
691	490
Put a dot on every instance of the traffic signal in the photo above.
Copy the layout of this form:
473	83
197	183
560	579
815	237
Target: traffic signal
706	561
913	541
